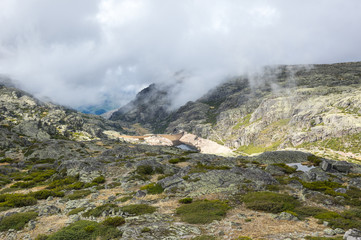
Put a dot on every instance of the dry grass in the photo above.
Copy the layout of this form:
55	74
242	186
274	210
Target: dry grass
262	225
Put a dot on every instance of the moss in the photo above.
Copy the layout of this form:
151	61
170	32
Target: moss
202	212
97	212
153	188
16	221
270	202
86	230
114	221
138	209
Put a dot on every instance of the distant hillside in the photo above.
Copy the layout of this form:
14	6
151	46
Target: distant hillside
317	109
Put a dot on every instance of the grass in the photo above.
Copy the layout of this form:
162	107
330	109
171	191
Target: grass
153	188
16	221
203	211
138	209
270	202
97	212
86	230
125	198
244	122
251	149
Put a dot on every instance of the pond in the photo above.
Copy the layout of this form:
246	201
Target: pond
300	167
186	147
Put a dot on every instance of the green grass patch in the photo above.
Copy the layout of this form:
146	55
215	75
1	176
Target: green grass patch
125	198
244	122
202	212
270	202
86	230
16	221
44	194
99	180
138	209
153	188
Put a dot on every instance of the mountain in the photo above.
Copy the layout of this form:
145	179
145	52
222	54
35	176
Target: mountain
316	108
64	176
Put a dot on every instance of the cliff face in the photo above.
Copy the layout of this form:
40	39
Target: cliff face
318	109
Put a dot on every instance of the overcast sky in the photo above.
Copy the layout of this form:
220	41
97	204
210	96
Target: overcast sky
87	52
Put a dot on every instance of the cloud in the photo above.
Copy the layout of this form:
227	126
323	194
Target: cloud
89	52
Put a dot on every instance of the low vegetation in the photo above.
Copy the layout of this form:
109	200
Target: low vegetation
138	209
203	211
85	230
16	221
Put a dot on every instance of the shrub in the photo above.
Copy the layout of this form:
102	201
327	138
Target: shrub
270	202
202	212
44	194
28	184
185	200
305	211
61	183
16	200
96	212
86	230
204	237
78	194
146	229
153	188
126	198
99	180
113	221
145	170
16	221
76	211
178	160
321	185
314	159
138	209
199	168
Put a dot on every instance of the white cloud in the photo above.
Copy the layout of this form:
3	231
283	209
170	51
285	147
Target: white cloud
87	52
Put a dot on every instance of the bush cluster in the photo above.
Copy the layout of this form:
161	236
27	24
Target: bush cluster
153	188
16	221
138	209
202	212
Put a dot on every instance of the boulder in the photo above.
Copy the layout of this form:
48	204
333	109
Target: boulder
352	234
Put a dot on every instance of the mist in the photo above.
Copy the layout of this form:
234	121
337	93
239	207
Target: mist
93	53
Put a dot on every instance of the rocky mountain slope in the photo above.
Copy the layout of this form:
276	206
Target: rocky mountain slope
316	108
59	186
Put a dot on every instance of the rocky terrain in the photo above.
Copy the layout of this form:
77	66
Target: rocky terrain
316	108
63	177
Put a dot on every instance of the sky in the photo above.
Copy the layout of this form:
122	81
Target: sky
83	53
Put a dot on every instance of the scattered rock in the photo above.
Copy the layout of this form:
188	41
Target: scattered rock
352	234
